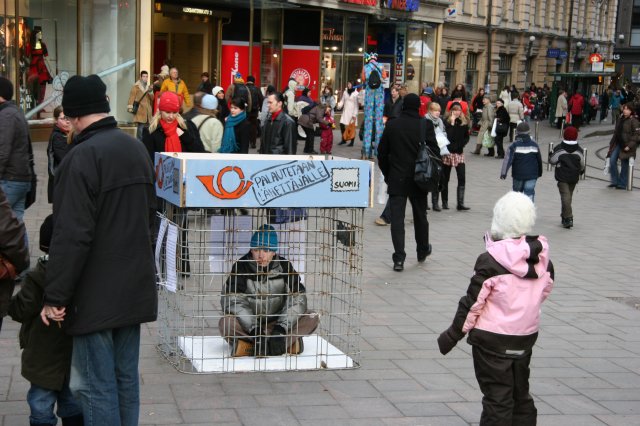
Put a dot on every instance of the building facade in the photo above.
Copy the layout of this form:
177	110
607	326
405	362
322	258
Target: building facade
319	43
627	42
498	43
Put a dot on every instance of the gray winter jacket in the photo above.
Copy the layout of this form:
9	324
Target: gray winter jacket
14	144
258	296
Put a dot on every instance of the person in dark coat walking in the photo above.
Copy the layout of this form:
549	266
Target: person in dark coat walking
279	134
503	118
397	155
568	157
46	351
14	252
58	146
457	127
253	109
101	281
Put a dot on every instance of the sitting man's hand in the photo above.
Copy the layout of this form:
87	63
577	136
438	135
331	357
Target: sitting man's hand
277	341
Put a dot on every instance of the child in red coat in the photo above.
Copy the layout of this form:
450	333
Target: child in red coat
326	137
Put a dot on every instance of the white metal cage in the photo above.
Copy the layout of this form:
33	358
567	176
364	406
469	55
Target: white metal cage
196	252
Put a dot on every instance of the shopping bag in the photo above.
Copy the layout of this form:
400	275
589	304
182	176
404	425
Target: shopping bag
493	128
382	195
350	131
487	140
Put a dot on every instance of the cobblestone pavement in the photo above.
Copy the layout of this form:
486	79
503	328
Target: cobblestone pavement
585	367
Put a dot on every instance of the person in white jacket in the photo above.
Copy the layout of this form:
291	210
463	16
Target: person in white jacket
209	127
505	95
516	114
349	106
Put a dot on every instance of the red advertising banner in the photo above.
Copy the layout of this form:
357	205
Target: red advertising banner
301	63
373	3
235	58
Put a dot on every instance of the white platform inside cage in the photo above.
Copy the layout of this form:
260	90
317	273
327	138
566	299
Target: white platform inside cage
210	354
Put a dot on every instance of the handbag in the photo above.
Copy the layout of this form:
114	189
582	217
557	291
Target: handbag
428	168
487	140
501	128
567	119
350	131
31	195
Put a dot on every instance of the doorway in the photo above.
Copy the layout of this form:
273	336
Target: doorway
186	41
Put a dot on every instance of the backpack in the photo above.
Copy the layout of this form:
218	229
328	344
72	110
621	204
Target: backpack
374	81
194	131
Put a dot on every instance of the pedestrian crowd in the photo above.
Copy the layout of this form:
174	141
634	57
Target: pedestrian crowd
101	185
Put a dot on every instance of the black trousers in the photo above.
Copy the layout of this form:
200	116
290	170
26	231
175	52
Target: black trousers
253	128
498	143
504	383
512	130
308	140
397	206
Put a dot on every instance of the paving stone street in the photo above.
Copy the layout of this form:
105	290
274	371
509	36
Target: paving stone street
585	368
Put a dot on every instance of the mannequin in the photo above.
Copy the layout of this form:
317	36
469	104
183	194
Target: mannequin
38	73
373	106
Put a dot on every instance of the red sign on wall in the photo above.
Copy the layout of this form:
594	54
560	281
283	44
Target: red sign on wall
595	57
373	3
301	63
235	58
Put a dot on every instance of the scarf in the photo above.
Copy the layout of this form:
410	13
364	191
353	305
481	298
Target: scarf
172	140
438	127
229	143
350	91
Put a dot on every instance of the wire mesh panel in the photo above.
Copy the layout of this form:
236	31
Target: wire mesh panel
224	308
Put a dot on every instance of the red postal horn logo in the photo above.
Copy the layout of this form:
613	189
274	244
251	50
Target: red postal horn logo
219	190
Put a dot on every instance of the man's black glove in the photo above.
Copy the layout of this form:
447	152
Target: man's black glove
448	340
277	341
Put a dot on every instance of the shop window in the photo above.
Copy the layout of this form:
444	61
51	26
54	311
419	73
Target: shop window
449	70
471	74
271	46
108	48
635	37
332	51
420	58
41	45
504	71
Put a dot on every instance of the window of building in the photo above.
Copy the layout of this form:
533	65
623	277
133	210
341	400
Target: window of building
481	8
449	69
271	43
471	74
635	37
504	71
420	58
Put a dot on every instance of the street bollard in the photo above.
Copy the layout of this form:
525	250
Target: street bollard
632	161
562	130
536	132
583	175
550	152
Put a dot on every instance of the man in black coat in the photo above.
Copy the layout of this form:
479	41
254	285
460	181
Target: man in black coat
279	131
253	109
397	155
100	280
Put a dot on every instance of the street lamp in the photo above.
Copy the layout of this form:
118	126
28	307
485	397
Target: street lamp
530	45
576	58
596	47
527	69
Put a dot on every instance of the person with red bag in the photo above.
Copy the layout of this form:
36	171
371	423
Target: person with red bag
576	108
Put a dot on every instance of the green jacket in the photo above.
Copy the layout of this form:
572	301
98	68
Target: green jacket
46	355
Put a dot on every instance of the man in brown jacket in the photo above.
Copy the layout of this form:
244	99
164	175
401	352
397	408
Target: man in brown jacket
142	94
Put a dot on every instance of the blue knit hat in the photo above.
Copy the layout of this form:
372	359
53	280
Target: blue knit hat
265	238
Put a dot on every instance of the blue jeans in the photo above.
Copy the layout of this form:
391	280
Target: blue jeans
41	402
139	128
618	179
104	376
16	193
528	187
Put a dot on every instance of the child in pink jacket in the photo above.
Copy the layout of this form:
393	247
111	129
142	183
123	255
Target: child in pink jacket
501	311
326	137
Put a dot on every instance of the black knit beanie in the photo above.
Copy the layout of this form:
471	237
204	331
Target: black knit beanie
6	89
411	102
84	95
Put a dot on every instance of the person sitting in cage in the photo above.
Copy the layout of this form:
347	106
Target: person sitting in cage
264	302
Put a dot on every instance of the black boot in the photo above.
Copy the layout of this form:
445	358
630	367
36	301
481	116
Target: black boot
461	205
491	152
351	144
477	150
445	198
567	222
434	200
73	421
